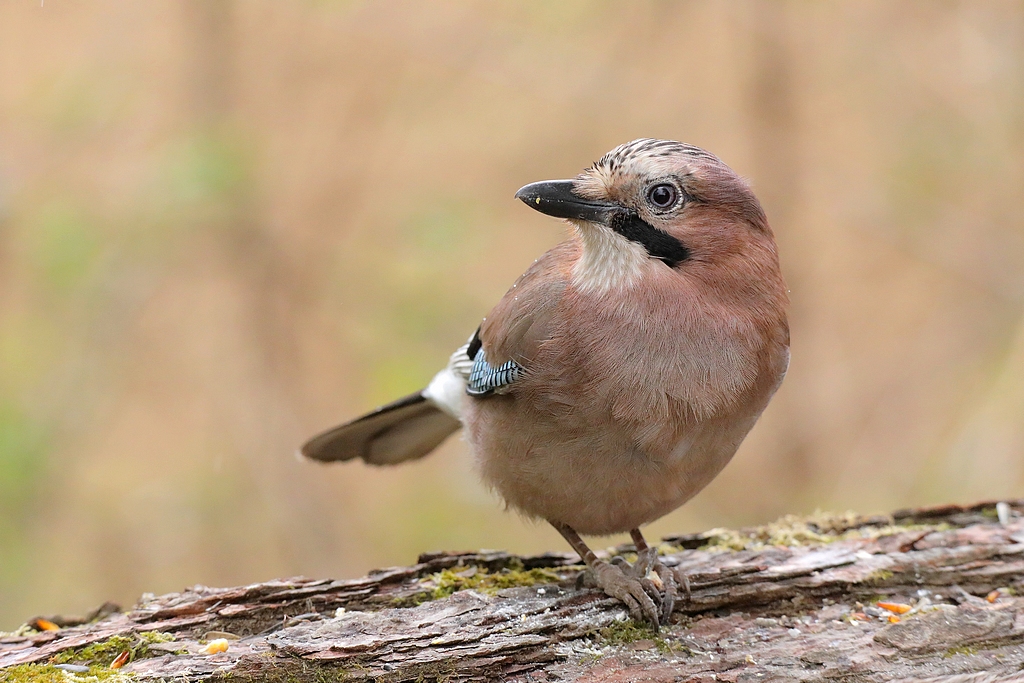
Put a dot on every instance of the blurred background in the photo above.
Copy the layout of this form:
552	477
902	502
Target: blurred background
227	225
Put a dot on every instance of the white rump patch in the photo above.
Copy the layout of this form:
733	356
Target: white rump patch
447	390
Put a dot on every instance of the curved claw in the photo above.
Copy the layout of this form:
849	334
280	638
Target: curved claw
614	581
646	561
665	595
668	580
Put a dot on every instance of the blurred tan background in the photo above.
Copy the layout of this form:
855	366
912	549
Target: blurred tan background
227	225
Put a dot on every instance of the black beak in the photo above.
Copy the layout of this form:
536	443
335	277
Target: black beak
556	198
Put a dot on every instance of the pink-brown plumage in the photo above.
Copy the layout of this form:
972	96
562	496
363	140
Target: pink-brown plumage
619	374
649	387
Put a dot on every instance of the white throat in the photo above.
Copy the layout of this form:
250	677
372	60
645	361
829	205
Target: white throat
609	261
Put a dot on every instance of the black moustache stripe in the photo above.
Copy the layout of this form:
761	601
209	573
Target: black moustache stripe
658	243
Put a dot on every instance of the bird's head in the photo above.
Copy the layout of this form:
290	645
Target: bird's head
656	201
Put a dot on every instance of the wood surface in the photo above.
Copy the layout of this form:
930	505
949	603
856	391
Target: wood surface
796	600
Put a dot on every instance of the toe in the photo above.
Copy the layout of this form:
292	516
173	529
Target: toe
645	560
651	589
650	610
586	579
616	583
620	562
683	580
668	601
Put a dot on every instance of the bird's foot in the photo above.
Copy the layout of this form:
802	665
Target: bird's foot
648	587
640	595
660	578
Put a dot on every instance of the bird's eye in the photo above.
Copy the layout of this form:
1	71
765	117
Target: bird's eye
663	196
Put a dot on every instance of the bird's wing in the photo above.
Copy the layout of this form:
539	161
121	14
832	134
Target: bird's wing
485	378
495	357
509	339
403	430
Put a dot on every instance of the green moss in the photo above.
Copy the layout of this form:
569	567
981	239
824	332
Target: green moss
820	528
287	674
965	650
476	578
102	654
47	673
427	673
32	673
444	583
627	632
623	633
413	600
441	672
878	576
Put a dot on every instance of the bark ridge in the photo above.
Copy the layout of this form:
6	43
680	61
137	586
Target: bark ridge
923	595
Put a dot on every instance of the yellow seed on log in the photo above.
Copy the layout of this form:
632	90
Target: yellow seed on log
895	607
41	624
215	646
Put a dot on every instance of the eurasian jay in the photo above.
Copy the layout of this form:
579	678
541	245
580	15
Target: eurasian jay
620	373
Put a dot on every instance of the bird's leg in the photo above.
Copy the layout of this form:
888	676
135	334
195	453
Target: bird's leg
611	578
647	560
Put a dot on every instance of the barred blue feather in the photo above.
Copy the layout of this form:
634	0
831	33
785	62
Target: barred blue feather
485	379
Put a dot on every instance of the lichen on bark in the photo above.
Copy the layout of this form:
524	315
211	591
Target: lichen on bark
922	593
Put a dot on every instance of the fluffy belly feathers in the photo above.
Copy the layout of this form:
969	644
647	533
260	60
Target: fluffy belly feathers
591	474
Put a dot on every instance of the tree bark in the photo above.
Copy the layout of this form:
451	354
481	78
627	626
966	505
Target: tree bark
794	600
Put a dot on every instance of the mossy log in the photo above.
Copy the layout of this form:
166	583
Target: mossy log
927	594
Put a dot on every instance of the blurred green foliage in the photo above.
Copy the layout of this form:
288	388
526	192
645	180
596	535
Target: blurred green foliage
22	462
65	247
935	161
208	167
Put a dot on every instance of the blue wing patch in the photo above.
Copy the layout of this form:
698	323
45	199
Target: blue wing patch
486	379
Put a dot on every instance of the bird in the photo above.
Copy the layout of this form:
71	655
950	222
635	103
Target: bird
620	373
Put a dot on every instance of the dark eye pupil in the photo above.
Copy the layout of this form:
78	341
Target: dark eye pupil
662	195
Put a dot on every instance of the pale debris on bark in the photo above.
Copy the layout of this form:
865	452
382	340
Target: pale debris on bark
793	601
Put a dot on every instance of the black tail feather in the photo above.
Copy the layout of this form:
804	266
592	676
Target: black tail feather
405	429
